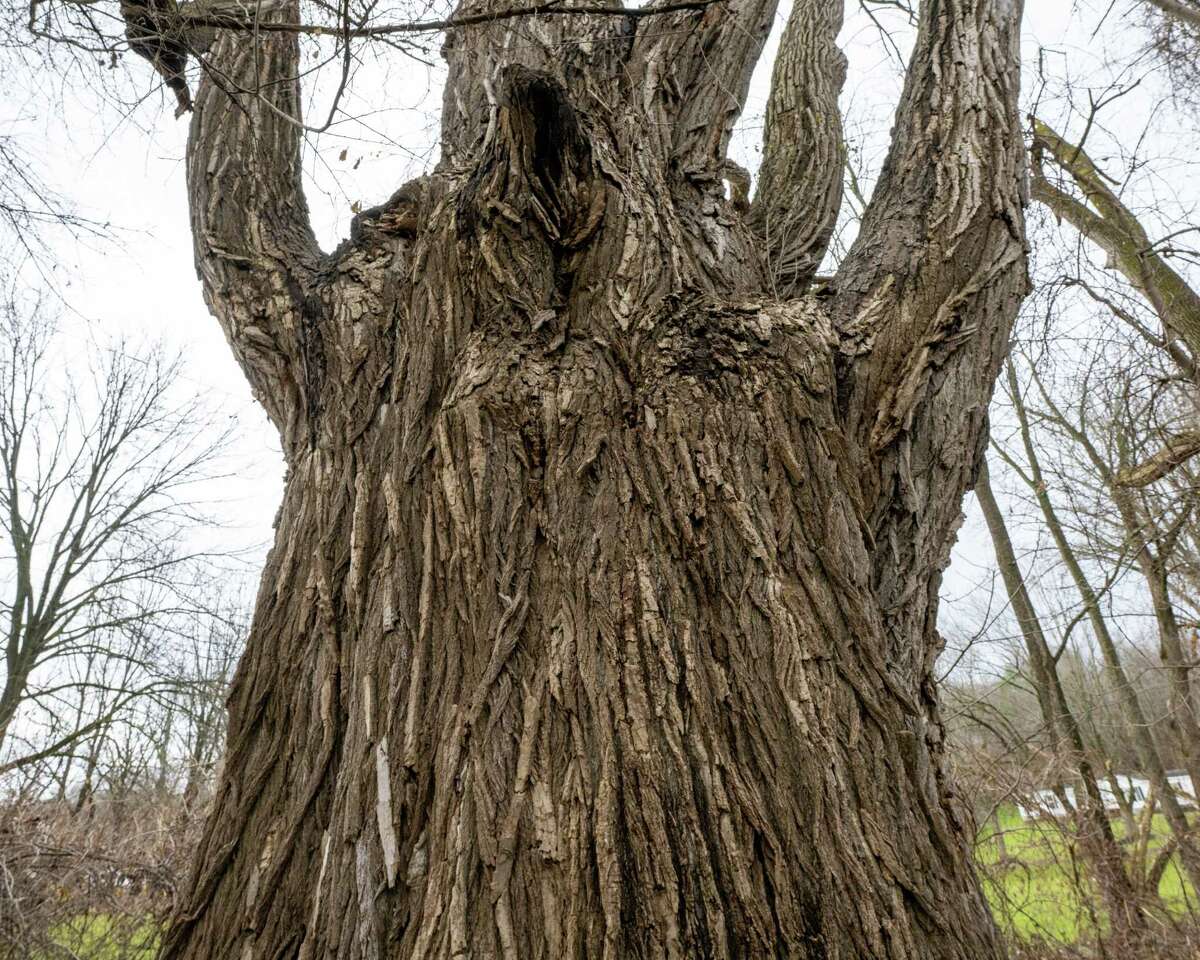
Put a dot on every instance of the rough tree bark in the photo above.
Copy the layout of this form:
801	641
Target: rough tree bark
601	616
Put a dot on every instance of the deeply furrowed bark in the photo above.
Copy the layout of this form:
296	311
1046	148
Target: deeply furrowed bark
578	638
800	182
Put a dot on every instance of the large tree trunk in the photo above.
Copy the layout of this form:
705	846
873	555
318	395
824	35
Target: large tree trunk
600	620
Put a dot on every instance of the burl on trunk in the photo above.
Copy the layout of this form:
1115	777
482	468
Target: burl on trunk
600	620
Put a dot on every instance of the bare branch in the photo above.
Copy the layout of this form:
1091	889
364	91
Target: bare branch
215	17
1179	9
1177	449
1103	218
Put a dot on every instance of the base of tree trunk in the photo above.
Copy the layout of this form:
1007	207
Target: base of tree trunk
590	668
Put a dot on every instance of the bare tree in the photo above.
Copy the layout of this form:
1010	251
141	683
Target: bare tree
188	728
1149	532
1147	749
1105	219
1175	39
1066	737
1183	11
98	474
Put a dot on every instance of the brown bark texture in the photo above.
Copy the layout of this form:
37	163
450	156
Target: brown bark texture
600	621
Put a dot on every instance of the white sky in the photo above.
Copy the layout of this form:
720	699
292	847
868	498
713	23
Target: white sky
129	172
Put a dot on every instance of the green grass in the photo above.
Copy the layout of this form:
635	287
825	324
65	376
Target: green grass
1041	889
102	937
1038	891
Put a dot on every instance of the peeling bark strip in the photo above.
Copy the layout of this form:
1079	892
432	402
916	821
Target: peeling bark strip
600	620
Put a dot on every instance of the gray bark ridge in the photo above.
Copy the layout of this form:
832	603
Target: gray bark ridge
600	618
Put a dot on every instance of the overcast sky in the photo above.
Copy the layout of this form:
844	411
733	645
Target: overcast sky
128	171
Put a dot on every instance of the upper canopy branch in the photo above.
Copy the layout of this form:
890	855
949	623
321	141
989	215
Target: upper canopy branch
927	296
939	260
699	75
255	250
1183	10
800	182
234	16
1176	450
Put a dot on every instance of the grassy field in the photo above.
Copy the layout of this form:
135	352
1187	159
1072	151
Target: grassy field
1037	890
100	937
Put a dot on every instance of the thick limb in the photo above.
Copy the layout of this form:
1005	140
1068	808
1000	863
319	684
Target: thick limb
926	298
800	182
1177	449
686	71
255	250
257	259
699	74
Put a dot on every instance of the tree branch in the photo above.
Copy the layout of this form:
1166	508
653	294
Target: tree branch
1179	10
1177	449
1105	220
927	295
220	16
699	76
942	243
800	182
255	250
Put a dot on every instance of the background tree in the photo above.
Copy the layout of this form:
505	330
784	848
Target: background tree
1149	755
1074	761
98	475
1106	427
1175	26
1106	220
